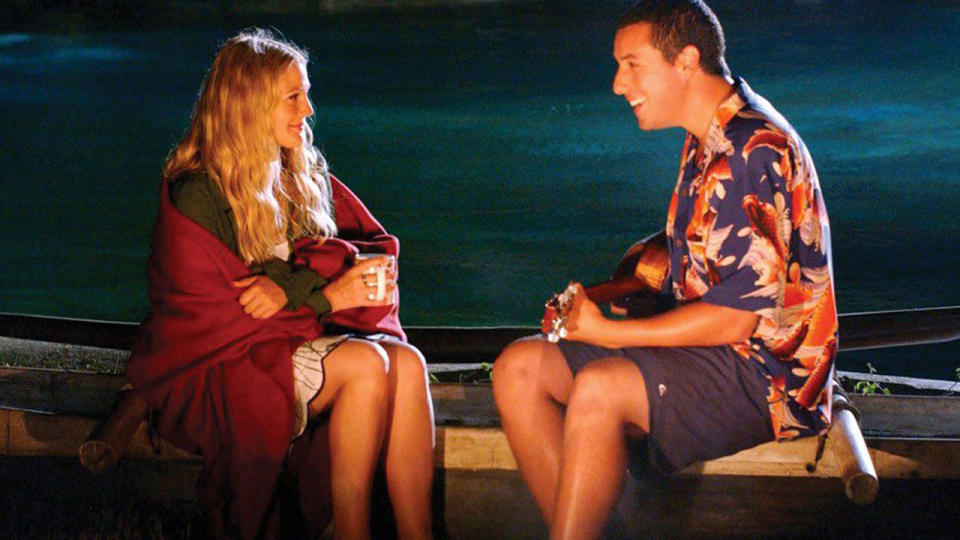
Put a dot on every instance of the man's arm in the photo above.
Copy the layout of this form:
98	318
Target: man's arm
697	324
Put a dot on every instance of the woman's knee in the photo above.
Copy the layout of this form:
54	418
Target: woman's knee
363	362
408	362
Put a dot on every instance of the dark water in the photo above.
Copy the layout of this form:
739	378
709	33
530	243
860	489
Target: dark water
487	138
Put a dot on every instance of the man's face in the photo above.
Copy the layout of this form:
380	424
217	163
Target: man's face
652	86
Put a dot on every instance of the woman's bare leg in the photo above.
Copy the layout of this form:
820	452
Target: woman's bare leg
531	381
608	399
355	391
408	449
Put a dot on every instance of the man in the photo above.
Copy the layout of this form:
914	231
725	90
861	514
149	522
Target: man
744	357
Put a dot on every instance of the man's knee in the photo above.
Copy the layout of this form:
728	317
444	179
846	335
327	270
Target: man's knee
517	365
612	388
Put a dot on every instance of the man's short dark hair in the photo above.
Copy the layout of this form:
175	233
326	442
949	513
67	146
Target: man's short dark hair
678	23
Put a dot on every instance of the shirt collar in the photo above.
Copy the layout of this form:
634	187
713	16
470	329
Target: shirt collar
717	141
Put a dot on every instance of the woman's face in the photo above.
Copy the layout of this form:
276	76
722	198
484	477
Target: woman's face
293	107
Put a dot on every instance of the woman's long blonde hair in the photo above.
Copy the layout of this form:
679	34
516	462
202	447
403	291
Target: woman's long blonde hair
274	192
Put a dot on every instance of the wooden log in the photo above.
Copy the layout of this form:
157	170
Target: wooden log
108	441
856	467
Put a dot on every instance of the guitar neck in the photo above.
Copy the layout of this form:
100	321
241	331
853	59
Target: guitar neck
614	288
643	268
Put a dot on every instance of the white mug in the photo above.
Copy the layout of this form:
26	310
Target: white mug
380	272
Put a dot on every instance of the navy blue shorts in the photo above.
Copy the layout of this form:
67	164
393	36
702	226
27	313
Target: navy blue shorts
705	402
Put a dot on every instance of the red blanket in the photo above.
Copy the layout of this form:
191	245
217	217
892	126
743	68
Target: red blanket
222	382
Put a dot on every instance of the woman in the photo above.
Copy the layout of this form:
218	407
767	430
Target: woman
256	309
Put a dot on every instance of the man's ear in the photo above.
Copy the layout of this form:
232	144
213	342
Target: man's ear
688	59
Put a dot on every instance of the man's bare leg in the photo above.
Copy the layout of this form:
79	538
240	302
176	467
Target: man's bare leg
608	399
408	447
531	381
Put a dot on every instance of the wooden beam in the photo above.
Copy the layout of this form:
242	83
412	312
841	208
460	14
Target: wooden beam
467	448
914	416
473	449
912	459
879	329
937	385
858	331
792	458
5	431
32	434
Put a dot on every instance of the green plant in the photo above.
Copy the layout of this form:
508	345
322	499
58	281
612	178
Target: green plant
484	375
873	387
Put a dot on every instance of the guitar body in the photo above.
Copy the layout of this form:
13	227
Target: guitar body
632	290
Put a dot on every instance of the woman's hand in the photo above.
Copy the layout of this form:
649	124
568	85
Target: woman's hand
357	287
262	298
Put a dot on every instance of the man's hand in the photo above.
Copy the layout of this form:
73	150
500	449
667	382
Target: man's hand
585	321
262	298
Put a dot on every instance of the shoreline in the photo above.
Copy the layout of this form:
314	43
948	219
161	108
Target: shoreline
76	16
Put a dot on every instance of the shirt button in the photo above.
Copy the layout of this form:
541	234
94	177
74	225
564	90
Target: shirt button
678	242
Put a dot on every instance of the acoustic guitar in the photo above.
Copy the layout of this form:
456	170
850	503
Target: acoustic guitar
632	289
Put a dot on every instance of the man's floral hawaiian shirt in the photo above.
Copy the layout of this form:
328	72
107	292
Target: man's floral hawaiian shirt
748	229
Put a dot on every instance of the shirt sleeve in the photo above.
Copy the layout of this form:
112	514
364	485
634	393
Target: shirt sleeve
196	197
748	247
301	285
192	200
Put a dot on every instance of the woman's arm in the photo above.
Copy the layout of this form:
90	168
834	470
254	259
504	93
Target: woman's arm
274	284
300	284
